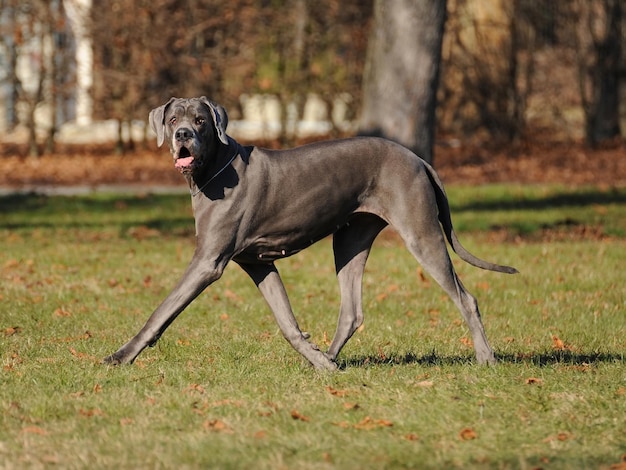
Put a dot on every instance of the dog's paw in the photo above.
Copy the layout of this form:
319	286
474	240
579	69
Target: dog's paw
324	363
115	359
111	360
487	358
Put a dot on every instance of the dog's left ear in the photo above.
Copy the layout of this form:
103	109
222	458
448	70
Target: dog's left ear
157	121
220	118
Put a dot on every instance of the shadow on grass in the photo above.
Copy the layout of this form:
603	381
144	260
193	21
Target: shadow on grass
33	211
541	359
565	198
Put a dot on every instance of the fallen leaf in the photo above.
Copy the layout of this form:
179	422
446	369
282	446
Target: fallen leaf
342	424
468	434
88	413
229	294
533	381
217	425
412	437
562	436
62	313
34	430
351	406
195	388
368	423
557	343
424	280
12	330
296	415
97	388
337	393
425	383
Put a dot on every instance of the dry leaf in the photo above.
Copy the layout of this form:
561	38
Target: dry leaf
88	413
368	423
217	425
34	430
412	437
229	294
326	339
61	312
533	381
468	434
351	406
424	280
296	415
562	436
12	330
557	343
425	383
337	393
195	388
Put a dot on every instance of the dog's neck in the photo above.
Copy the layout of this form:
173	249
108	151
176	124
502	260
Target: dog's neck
224	156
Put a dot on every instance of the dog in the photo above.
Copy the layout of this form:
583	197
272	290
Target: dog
254	206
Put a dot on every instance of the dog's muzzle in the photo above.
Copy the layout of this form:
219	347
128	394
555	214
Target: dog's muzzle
185	160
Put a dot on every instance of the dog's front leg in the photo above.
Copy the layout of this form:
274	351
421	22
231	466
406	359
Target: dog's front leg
195	279
267	279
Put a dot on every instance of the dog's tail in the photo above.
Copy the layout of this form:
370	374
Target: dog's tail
446	223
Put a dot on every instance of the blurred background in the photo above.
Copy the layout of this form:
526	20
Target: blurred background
509	71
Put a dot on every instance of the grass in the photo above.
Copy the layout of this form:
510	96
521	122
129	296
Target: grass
222	389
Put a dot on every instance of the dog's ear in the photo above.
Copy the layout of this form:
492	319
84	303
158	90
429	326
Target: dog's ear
220	118
157	121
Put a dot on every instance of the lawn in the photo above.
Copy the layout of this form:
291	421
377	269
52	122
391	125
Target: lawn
223	389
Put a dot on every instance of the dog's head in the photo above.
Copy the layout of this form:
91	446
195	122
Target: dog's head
193	128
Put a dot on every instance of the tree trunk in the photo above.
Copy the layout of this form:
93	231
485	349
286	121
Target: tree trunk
599	42
402	73
604	117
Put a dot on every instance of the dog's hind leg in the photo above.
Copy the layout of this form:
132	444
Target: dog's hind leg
351	245
267	279
418	225
430	250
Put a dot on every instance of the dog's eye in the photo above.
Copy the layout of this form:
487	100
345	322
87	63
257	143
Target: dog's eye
199	121
173	121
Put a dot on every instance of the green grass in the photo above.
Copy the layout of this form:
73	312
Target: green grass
222	389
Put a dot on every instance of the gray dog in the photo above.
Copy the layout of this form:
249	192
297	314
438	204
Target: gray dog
254	206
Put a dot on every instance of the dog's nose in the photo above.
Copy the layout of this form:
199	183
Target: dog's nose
183	134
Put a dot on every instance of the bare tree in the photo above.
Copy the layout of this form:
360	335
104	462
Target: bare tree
402	72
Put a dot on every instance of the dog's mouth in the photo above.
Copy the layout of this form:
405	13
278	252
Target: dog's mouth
184	160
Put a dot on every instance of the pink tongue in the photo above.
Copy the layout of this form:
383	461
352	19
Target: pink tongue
184	162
